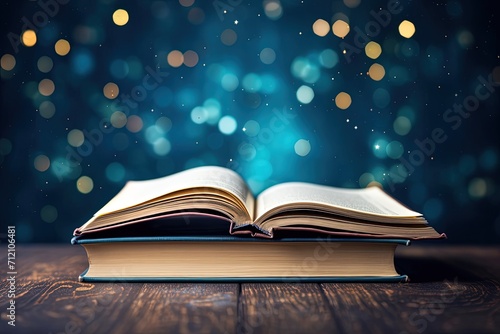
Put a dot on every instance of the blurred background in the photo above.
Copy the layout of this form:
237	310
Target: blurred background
399	94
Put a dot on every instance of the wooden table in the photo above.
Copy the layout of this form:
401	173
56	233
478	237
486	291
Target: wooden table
452	289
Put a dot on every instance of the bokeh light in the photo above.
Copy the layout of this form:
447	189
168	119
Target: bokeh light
49	213
352	3
76	138
120	17
8	62
190	58
84	184
340	28
302	147
134	123
118	119
46	87
321	27
305	94
343	100
267	56
376	72
29	38
47	109
273	9
227	125
228	37
111	90
373	50
62	47
42	163
175	58
45	64
406	29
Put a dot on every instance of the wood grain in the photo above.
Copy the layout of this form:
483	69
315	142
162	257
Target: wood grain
452	290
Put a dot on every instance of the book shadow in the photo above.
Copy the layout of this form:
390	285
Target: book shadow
427	269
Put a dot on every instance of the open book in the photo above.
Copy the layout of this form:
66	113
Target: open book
221	194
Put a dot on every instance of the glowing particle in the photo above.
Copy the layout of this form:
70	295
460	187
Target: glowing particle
343	100
84	184
302	147
46	87
134	124
62	47
76	138
175	58
29	38
45	64
228	37
118	119
406	29
42	163
190	58
227	125
186	3
376	72
111	90
267	56
120	17
352	3
305	94
47	109
340	28
7	62
373	50
321	27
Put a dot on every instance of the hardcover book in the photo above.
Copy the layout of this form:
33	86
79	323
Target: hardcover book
204	223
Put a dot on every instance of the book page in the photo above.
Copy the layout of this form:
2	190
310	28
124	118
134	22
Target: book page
137	192
372	200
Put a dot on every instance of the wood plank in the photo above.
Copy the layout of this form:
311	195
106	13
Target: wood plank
283	307
181	308
447	293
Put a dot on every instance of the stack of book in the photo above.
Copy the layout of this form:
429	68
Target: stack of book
204	224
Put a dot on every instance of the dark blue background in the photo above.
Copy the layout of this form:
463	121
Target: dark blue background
456	185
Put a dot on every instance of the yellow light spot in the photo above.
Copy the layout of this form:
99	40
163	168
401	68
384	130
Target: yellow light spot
62	47
373	50
84	184
45	64
118	119
29	38
376	72
120	17
42	163
228	37
190	58
76	138
343	100
7	62
321	27
134	124
340	28
111	90
406	29
175	58
46	87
